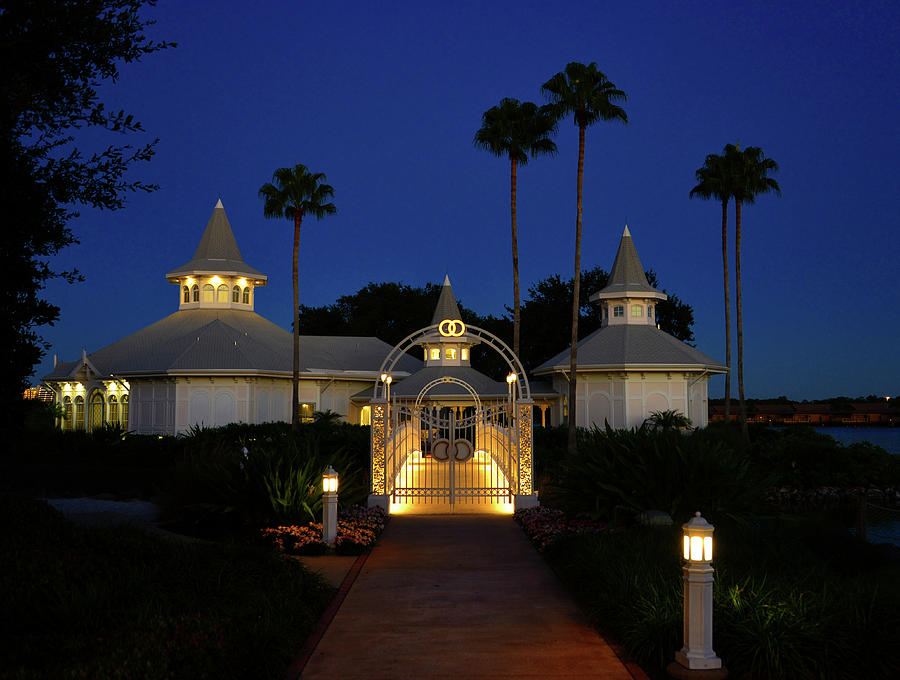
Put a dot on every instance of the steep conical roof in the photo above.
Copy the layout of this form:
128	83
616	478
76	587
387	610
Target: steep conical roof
446	305
627	275
218	251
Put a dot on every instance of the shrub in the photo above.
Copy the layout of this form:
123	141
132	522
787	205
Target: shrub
779	609
115	602
630	471
242	477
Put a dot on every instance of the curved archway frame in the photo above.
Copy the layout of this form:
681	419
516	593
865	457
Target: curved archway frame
523	390
448	379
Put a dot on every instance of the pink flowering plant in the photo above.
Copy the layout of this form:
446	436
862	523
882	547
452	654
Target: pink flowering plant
545	526
357	530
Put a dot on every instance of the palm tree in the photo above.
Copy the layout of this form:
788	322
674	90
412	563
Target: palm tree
589	96
516	130
713	181
749	171
295	193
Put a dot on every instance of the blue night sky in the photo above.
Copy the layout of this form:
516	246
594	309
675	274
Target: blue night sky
384	98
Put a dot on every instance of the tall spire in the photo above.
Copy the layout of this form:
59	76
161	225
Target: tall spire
218	252
627	274
446	306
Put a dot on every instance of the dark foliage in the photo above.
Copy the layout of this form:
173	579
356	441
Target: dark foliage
117	603
55	55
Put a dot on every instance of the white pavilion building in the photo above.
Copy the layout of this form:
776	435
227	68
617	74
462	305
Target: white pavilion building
216	361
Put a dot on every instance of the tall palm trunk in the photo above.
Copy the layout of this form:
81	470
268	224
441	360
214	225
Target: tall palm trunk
576	301
740	321
515	253
295	375
727	311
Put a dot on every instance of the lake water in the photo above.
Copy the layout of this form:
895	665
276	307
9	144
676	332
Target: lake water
884	526
887	438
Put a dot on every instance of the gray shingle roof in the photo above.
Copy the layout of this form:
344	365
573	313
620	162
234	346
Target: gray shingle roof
232	342
627	273
482	384
446	306
218	251
630	345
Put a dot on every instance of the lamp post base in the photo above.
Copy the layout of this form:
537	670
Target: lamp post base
676	670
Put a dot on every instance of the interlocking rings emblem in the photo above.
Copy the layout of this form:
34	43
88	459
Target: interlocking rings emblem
451	328
459	450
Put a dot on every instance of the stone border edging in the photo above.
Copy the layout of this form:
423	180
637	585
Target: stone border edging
295	670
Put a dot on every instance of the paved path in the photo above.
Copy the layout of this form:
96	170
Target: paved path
460	597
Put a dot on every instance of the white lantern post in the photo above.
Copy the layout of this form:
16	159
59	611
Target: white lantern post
329	506
697	658
510	379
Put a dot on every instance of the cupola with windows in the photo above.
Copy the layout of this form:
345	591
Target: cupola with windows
217	277
628	298
449	345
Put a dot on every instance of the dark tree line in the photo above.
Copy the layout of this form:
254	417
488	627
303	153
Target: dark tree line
391	311
54	56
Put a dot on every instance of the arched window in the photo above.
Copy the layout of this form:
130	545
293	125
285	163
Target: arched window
365	415
124	422
187	294
79	412
247	295
113	417
208	293
96	411
236	294
196	293
222	293
68	423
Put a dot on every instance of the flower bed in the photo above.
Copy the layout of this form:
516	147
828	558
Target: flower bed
357	530
545	526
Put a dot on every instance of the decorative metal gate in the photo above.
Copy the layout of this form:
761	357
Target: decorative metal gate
454	455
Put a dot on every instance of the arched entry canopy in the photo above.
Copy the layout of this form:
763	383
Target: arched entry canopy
453	329
428	455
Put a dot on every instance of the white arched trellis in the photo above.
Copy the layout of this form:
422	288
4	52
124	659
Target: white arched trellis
448	379
405	442
523	390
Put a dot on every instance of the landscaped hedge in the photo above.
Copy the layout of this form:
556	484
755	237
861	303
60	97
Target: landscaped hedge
791	599
118	603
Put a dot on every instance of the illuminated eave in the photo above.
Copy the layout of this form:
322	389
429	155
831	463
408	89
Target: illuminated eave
635	368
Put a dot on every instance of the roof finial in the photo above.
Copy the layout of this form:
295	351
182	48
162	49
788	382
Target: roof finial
626	232
219	204
446	279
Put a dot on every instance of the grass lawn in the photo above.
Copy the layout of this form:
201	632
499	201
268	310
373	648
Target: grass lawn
83	602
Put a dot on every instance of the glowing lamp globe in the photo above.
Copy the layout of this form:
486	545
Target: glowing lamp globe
330	480
698	541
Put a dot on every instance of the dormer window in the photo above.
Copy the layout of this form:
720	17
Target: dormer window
464	354
450	353
195	293
187	294
236	294
222	293
247	296
209	293
637	310
619	310
435	353
649	311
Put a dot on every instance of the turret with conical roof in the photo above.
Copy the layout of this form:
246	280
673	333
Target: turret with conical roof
628	298
450	345
217	277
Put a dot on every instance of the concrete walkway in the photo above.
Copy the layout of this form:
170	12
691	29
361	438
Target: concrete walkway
460	597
